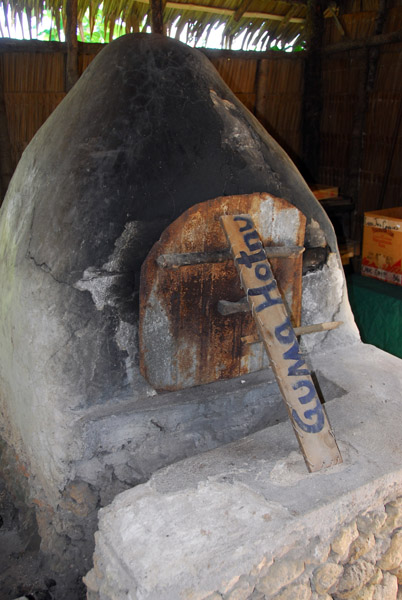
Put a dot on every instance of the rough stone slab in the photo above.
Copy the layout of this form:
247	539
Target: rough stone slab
174	425
198	525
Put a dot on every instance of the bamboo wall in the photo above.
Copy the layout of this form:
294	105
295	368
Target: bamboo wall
34	85
271	86
344	77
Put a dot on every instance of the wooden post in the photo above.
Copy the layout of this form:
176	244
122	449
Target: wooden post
395	136
306	413
369	60
312	92
72	44
352	184
6	163
261	93
157	16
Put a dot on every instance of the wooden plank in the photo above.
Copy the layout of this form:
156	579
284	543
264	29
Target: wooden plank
323	192
307	415
304	330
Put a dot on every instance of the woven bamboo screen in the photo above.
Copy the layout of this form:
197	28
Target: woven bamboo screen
271	88
344	74
278	107
34	85
382	133
240	76
341	75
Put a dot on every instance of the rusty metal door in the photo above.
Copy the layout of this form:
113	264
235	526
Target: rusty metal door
184	340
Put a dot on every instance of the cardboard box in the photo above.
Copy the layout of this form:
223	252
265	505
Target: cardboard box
323	192
382	245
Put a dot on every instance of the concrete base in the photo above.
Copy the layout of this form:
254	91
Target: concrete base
203	525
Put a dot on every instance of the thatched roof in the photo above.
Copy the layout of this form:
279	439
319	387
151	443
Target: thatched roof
260	21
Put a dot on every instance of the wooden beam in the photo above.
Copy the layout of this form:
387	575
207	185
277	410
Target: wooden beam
312	92
368	56
390	160
221	10
157	16
272	17
241	9
72	44
395	37
356	147
9	45
214	54
174	261
6	163
262	91
330	12
289	15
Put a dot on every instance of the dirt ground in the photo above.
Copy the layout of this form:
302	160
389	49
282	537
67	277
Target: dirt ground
23	569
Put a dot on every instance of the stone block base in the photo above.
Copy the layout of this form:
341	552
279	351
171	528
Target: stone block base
247	521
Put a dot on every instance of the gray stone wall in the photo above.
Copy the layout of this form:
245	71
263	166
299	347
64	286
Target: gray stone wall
246	521
363	561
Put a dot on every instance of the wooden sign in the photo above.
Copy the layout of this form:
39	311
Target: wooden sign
307	415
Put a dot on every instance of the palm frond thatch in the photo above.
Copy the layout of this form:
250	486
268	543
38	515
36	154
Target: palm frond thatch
259	21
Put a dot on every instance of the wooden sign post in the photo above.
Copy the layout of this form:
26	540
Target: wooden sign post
310	423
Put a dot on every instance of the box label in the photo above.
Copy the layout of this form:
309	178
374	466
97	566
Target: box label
381	223
382	248
382	274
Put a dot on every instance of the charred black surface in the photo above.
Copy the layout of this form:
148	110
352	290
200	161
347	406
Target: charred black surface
145	134
314	258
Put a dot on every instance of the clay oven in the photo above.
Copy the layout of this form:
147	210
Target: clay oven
149	131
